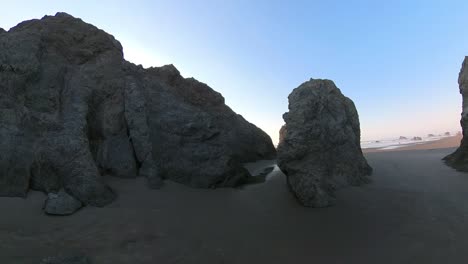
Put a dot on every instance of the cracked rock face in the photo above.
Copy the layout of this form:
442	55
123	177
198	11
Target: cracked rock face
72	110
459	159
319	149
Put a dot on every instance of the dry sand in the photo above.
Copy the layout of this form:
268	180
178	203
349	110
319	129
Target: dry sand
448	142
415	211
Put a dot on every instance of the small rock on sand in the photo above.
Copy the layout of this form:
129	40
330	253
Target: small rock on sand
61	203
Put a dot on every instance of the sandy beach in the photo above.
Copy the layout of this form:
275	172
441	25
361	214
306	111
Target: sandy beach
415	211
448	142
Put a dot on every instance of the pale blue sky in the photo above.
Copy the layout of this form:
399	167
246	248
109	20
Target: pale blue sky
398	60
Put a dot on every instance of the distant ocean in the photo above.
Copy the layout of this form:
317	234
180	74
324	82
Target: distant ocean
395	143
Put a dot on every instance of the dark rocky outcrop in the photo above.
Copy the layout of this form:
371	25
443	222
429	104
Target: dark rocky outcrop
459	159
403	138
196	138
321	148
72	109
416	138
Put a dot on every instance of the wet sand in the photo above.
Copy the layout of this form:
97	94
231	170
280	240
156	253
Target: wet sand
449	142
415	211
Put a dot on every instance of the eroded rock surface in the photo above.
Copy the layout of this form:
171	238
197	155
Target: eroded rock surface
72	110
459	159
282	133
61	203
320	150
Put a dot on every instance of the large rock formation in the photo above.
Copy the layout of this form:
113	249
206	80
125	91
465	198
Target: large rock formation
320	150
72	109
459	159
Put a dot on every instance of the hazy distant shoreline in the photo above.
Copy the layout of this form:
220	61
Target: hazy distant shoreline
444	142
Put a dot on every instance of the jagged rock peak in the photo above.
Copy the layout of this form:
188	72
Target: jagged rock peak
63	14
64	29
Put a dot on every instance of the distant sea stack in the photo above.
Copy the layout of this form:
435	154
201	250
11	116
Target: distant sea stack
320	150
459	159
72	109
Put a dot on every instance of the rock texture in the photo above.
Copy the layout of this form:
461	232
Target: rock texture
320	150
72	109
282	133
61	203
459	159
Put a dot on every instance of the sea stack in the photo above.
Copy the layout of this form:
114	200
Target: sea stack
320	150
459	159
72	109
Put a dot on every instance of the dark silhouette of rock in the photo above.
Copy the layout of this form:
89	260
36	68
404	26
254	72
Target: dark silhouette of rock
403	138
321	148
447	134
61	203
197	139
72	109
416	139
430	135
459	159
